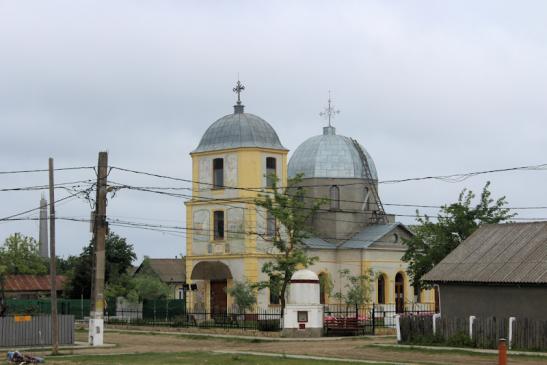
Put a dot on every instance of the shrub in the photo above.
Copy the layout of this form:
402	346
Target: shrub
268	325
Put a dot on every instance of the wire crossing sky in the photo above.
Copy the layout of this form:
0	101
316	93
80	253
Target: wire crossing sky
428	88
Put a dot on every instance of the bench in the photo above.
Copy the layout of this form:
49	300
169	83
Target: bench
342	326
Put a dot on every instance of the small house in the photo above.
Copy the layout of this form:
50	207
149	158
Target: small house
170	271
499	271
31	286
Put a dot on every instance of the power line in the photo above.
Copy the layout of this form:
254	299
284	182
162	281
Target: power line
46	170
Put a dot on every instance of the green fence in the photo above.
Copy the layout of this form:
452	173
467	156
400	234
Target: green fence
157	310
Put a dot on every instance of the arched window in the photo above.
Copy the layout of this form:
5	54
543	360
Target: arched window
271	171
381	289
334	195
323	283
399	293
274	291
270	225
366	201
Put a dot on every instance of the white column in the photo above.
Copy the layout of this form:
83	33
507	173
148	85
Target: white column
510	339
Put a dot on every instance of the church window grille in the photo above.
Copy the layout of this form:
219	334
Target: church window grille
334	197
381	289
270	225
271	171
218	225
218	173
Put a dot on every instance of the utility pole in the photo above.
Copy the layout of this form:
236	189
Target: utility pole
96	320
53	264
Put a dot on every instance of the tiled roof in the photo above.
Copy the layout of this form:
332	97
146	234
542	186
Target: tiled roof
25	283
363	239
498	253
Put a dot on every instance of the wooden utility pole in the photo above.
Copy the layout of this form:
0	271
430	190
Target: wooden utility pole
53	264
96	320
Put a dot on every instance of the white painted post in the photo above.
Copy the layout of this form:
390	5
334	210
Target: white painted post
471	320
398	326
510	339
435	316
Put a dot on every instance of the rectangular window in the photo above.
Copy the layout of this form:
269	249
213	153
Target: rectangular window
218	173
218	224
271	171
270	225
274	291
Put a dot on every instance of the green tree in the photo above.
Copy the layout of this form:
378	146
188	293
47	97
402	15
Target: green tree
358	288
148	287
292	215
20	255
455	222
244	295
119	255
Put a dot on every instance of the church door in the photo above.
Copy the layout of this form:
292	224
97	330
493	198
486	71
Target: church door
399	293
219	302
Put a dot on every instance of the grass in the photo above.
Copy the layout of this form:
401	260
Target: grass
183	358
410	348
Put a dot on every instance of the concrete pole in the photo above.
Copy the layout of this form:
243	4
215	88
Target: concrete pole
96	320
53	264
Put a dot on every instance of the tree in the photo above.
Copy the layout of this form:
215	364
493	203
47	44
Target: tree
118	254
455	222
358	288
148	287
244	295
292	215
20	255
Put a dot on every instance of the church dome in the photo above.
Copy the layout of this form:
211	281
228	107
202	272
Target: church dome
330	156
239	130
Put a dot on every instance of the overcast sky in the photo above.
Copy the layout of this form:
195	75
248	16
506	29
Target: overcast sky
428	87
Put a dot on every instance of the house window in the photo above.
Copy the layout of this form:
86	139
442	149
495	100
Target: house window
218	173
270	225
270	171
334	197
218	224
274	291
381	289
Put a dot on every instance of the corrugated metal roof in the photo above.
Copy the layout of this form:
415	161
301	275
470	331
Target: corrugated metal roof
316	242
366	237
497	253
168	270
369	235
25	283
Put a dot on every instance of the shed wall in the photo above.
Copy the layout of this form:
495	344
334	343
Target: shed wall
493	301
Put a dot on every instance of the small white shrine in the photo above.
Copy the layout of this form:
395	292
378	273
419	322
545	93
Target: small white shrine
303	316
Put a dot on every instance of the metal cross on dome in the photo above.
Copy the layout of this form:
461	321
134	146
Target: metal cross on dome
329	112
238	89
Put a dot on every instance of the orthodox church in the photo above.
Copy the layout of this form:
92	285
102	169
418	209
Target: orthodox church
228	239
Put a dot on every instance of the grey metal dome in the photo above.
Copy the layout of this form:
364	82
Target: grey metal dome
239	130
330	155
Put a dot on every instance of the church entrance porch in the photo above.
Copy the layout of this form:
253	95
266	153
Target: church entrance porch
212	278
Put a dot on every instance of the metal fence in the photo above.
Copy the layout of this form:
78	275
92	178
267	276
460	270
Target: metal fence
341	319
29	330
254	319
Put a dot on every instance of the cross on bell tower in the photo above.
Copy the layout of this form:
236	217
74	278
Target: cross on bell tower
238	108
329	112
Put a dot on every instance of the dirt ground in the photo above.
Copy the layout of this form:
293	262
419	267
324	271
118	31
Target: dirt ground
351	348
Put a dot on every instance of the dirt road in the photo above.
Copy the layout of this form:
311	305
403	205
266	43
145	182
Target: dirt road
351	348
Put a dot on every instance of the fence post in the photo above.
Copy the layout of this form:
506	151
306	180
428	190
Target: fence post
510	330
373	318
471	321
398	326
502	352
435	316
